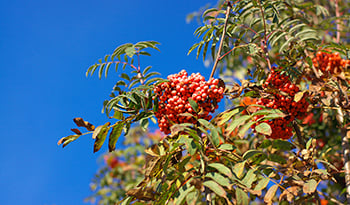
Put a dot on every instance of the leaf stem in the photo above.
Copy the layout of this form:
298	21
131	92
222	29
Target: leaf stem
264	42
228	9
298	133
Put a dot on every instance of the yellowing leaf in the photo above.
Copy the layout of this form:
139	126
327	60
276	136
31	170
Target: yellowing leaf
298	96
270	194
310	186
264	129
81	123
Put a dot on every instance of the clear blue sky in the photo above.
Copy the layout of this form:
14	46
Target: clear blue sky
45	49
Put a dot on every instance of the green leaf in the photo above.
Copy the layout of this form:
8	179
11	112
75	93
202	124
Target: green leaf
183	194
251	153
101	70
262	183
66	140
282	145
239	168
193	104
266	143
263	128
130	51
277	158
100	136
241	197
228	147
115	134
218	178
245	128
222	169
107	68
216	188
237	122
249	178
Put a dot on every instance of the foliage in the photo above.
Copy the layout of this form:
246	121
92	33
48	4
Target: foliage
239	156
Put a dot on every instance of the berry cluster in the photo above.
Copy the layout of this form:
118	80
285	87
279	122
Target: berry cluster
283	101
330	63
173	99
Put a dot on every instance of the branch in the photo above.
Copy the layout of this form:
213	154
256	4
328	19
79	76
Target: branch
346	152
337	21
264	42
229	6
298	133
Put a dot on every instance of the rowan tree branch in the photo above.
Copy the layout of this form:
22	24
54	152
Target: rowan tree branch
228	9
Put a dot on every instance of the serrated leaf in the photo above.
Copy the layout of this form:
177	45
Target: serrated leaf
251	153
264	129
245	128
227	115
249	178
270	194
218	178
237	122
222	169
228	147
115	134
130	51
241	197
215	187
193	104
262	183
183	194
100	136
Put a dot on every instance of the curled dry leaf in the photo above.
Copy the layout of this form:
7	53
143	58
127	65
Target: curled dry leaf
146	194
76	131
81	123
290	193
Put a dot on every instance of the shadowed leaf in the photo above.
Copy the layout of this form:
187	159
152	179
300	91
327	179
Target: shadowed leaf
81	123
101	136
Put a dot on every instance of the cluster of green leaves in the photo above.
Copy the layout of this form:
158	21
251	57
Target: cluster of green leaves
131	99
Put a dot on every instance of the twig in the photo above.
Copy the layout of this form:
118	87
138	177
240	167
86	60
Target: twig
264	42
346	152
329	198
229	6
300	138
337	21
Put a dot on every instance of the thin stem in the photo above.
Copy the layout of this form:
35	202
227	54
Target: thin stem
264	42
337	21
346	153
298	133
229	6
231	51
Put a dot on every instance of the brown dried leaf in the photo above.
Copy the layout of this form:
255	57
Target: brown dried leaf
146	194
290	193
76	131
81	123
